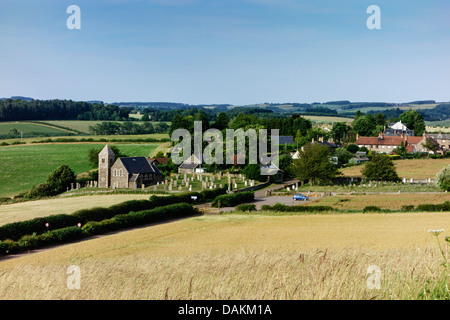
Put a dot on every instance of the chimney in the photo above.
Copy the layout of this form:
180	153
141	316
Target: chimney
357	136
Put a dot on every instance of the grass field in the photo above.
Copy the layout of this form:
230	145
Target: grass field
24	166
82	126
436	126
29	128
42	208
244	257
409	168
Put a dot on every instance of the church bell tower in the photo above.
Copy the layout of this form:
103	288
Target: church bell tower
105	162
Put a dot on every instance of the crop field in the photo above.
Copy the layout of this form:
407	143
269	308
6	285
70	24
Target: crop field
25	166
244	257
67	205
409	168
384	201
438	126
327	119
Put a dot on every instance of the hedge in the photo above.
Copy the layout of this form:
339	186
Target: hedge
121	221
16	230
233	199
285	208
434	207
246	207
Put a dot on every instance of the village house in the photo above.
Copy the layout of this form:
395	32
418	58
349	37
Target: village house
387	144
126	172
397	129
443	139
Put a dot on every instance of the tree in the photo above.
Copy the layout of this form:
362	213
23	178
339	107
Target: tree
60	179
339	131
222	121
443	178
430	145
364	126
253	172
380	168
314	164
414	121
353	148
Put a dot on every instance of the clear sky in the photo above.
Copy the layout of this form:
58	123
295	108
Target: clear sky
226	51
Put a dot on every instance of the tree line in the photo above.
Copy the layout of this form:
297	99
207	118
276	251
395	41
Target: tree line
19	110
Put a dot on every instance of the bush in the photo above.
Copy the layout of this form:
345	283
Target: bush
443	178
94	214
233	199
67	234
246	207
372	209
8	246
16	230
100	227
279	207
434	207
407	208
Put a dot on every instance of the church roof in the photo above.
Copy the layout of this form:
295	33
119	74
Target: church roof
138	165
107	151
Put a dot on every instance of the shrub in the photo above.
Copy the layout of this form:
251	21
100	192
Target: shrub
100	227
233	199
372	209
407	208
67	234
94	214
443	178
279	207
434	207
246	207
16	230
8	246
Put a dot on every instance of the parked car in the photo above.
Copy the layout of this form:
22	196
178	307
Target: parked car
300	197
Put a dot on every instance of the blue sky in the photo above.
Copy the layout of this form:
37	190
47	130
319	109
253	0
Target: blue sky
228	51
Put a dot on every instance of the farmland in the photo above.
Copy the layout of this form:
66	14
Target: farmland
25	166
410	168
67	205
242	257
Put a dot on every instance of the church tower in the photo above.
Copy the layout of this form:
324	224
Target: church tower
105	162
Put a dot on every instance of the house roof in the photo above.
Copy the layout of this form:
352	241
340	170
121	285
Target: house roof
188	165
159	160
389	140
285	139
440	136
137	165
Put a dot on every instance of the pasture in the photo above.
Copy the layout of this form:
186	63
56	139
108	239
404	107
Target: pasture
244	257
407	168
25	166
83	126
28	128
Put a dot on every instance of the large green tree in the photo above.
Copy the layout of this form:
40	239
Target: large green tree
314	164
414	121
443	178
380	168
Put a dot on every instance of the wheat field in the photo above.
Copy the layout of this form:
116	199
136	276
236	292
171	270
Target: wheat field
243	257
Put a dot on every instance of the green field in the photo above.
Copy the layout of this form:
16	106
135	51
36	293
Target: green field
25	166
82	126
30	128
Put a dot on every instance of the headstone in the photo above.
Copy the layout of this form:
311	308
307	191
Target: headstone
154	187
235	185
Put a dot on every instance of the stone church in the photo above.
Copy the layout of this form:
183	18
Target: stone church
127	172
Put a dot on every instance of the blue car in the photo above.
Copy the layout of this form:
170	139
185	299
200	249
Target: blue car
300	197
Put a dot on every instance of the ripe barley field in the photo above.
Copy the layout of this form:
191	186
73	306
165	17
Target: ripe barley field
384	201
408	168
244	257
